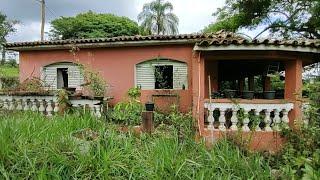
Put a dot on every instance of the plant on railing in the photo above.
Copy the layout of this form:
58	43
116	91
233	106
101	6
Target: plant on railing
7	83
95	83
30	86
128	111
63	101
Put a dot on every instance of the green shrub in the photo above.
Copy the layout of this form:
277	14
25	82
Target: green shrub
127	112
134	93
301	155
9	82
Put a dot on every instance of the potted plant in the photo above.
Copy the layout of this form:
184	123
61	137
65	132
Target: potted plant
247	94
230	93
63	100
269	94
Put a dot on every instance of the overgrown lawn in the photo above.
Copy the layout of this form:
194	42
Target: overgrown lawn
36	147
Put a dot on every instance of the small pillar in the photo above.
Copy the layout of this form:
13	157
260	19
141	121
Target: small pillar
293	88
251	83
241	84
147	121
267	83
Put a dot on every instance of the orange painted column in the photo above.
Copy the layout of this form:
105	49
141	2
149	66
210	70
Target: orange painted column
293	88
198	88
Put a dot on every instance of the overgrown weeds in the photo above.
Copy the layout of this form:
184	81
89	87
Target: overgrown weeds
35	147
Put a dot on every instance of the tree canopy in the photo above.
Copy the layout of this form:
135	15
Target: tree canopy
92	25
157	18
6	27
282	18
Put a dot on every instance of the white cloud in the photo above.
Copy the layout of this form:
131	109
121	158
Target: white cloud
28	32
193	15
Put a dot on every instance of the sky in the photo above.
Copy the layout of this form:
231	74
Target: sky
193	15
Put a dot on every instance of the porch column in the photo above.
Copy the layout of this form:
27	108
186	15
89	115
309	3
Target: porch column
266	83
198	89
293	88
251	83
241	84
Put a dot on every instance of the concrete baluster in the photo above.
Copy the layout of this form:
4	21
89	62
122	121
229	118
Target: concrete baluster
19	104
267	120
11	104
26	106
5	104
285	118
98	110
222	119
234	119
210	118
56	107
276	120
34	105
246	120
49	108
41	106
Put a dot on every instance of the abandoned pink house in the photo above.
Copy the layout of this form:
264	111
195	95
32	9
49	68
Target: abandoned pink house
187	61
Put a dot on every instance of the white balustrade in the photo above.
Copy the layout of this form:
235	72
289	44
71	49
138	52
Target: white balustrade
47	105
273	115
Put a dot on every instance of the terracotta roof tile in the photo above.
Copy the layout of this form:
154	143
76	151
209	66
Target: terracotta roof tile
216	39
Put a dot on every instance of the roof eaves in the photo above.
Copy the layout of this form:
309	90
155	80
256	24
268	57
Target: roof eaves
88	44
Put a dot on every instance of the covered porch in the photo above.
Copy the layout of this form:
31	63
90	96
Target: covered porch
225	74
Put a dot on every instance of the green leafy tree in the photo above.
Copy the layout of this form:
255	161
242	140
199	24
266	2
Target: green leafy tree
6	27
281	18
92	25
157	18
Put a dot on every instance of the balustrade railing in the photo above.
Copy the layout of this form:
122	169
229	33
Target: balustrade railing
47	105
258	117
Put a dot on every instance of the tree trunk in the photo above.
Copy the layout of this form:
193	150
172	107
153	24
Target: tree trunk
158	24
3	59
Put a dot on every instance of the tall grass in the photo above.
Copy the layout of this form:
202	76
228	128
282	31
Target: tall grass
36	147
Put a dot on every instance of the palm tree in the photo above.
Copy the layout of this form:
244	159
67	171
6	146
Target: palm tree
157	18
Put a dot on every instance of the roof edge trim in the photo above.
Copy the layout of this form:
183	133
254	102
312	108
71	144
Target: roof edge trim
105	44
252	47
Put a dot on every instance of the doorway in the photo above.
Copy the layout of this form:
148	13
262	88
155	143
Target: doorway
62	78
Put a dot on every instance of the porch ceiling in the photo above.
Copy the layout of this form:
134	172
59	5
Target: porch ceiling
260	56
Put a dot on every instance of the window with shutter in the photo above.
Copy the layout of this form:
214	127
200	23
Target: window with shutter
62	74
162	74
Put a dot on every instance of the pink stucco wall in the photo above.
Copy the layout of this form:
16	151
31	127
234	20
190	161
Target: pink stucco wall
117	66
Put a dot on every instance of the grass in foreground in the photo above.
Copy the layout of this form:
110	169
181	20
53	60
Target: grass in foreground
35	147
